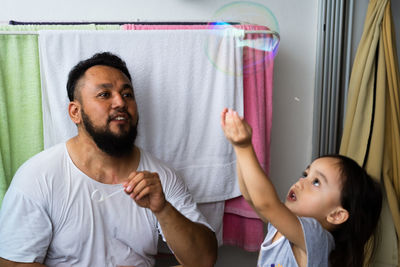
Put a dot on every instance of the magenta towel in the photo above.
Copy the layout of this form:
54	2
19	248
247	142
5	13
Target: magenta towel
242	232
241	225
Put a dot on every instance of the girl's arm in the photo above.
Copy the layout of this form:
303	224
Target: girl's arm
242	186
245	194
241	183
258	188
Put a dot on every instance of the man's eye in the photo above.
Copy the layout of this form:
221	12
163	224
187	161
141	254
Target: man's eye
127	95
316	182
104	94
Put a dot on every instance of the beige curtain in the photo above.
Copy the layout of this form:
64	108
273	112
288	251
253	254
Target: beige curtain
391	159
371	133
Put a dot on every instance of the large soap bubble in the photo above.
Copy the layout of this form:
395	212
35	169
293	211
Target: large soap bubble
258	30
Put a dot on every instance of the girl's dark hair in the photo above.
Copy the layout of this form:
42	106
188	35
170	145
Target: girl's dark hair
361	196
105	58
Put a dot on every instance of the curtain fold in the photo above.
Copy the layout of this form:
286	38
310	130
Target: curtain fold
391	160
371	133
21	134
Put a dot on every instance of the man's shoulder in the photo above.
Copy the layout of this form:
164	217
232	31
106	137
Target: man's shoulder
39	171
44	159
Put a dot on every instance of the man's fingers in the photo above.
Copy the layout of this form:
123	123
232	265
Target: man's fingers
143	186
138	188
128	180
144	192
140	181
134	179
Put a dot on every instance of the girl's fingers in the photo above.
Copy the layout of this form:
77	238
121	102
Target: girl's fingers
235	127
223	116
238	122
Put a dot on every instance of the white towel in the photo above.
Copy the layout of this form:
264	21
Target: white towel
182	80
214	212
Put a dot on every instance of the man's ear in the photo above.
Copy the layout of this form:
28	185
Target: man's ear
338	216
74	109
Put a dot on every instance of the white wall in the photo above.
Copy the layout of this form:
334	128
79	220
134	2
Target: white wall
294	66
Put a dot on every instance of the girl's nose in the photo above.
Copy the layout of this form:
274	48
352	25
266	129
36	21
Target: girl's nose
300	182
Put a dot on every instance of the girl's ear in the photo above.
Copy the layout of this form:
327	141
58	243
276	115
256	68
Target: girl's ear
74	111
338	216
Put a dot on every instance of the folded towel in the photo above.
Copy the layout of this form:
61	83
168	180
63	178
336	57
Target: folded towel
214	212
182	80
243	232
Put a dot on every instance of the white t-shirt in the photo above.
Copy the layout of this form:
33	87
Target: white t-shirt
49	216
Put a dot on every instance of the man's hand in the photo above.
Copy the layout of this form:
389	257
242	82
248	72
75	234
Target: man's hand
193	243
146	189
236	129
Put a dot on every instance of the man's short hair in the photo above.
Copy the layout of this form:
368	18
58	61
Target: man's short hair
105	58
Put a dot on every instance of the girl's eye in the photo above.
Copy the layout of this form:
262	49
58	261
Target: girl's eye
316	182
304	175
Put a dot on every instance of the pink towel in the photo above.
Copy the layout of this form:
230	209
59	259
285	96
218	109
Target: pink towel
241	225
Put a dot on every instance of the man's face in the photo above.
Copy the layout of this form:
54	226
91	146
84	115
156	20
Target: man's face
108	109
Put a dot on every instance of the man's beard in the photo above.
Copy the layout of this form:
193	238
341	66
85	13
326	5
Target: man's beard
112	144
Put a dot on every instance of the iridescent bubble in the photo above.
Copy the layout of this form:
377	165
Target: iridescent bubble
258	30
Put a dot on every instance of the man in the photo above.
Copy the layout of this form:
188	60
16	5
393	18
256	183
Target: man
63	207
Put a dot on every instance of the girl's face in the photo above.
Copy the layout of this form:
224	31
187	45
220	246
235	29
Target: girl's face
317	193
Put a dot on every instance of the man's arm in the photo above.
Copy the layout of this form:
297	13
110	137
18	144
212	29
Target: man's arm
25	227
192	243
7	263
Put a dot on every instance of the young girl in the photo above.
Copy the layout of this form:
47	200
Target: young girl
329	213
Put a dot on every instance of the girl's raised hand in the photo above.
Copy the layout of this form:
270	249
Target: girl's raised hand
236	129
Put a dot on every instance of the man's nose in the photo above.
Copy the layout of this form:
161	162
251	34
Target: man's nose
118	101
